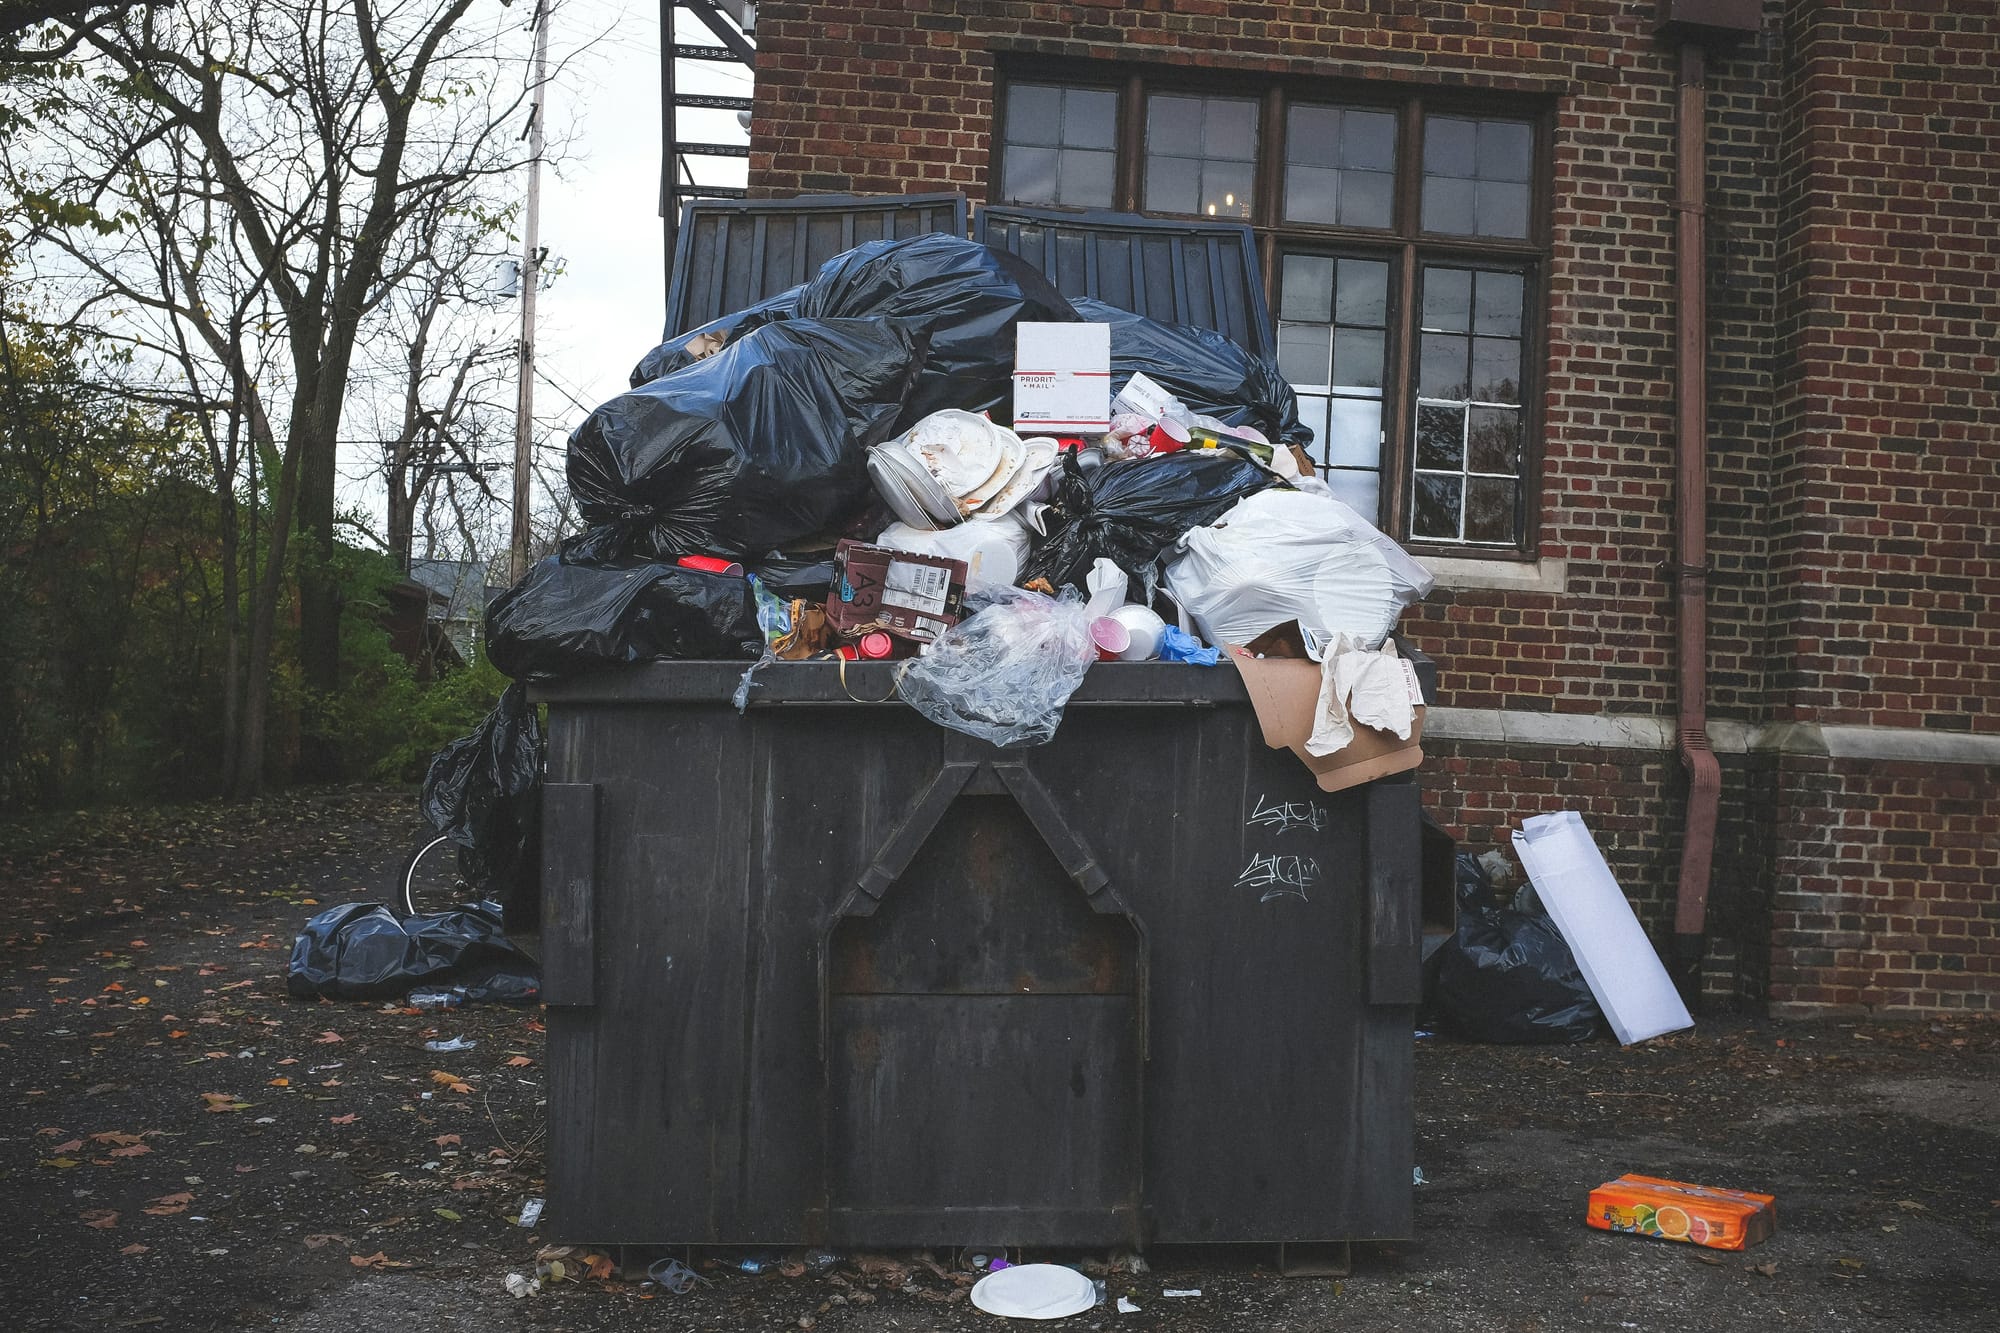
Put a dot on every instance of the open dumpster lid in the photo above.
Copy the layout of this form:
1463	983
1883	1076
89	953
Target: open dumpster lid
732	253
1201	273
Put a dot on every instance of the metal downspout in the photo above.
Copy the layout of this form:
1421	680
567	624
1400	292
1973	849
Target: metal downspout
1691	518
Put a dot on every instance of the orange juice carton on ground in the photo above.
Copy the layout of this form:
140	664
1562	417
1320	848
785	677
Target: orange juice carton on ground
1676	1210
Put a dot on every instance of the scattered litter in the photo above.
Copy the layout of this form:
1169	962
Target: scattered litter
531	1210
1181	1291
675	1276
519	1285
455	1044
1675	1210
1126	1307
1417	1176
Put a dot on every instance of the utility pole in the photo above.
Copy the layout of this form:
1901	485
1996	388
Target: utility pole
531	274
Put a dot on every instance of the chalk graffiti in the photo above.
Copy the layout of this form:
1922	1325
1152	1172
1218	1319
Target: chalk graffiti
1279	876
1291	815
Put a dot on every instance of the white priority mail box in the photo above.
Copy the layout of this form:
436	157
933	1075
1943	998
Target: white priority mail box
1062	378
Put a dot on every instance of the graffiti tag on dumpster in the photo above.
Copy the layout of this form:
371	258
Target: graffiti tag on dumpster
1288	816
1279	876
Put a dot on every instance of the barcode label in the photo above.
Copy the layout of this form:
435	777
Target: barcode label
919	587
928	628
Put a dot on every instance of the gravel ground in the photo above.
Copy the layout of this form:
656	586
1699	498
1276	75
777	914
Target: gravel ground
184	1147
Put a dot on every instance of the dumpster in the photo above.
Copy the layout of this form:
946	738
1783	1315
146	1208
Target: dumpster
825	973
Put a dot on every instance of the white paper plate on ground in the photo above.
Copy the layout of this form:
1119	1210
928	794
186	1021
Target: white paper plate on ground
1034	1291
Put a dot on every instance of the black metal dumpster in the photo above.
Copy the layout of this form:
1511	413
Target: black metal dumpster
828	974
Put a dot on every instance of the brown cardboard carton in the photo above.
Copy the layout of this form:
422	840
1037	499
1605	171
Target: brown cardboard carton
1284	689
911	595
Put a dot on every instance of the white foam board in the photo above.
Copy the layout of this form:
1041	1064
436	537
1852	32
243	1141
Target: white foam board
1611	948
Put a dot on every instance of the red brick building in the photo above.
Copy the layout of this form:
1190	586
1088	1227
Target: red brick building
1468	222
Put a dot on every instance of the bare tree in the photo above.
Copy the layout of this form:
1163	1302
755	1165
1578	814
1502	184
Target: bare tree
197	166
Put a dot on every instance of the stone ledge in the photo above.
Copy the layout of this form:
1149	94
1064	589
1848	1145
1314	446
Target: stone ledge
1655	732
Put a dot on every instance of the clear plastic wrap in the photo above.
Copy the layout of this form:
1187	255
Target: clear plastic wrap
1004	674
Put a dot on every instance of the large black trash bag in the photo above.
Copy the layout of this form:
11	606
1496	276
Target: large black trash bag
675	353
750	449
967	297
1130	512
572	614
1203	369
1507	976
364	951
484	792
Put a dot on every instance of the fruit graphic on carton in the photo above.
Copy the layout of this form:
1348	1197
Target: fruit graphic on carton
1675	1210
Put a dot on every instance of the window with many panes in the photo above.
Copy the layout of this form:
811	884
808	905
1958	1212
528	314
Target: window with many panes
1402	242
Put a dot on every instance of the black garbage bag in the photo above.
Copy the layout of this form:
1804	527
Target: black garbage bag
790	577
484	792
675	353
1131	511
748	450
364	951
1203	369
570	614
1507	976
967	297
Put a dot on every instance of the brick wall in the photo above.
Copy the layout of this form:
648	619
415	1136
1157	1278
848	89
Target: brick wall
1851	368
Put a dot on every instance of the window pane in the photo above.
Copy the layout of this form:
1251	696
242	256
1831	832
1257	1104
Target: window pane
1306	291
1502	209
1447	299
1436	509
1312	136
1506	150
1229	129
1310	194
1361	490
1353	437
1034	114
1090	118
1312	415
1449	205
1173	123
1489	510
1030	175
1302	353
1497	304
1493	441
1363	294
1451	146
1225	188
1441	437
1173	184
1441	366
1496	370
1357	359
1368	140
1086	178
1367	198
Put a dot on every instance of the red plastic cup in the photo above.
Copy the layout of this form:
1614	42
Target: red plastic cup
1110	637
1166	437
711	564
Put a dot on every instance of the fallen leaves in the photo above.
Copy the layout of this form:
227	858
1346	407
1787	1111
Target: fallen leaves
519	1062
347	1119
376	1261
320	1240
327	1038
448	1215
119	1138
1766	1269
169	1204
223	1101
130	1150
280	1083
101	1218
135	1248
69	1147
446	1140
451	1081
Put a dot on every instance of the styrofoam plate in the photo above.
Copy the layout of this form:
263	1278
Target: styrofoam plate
1034	1291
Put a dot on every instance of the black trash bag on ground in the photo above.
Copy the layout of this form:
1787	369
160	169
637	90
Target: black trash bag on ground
484	792
571	614
1203	369
967	297
1131	511
693	345
364	951
748	450
1507	976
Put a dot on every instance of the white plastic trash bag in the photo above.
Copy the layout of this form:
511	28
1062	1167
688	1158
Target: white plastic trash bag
1004	673
1288	555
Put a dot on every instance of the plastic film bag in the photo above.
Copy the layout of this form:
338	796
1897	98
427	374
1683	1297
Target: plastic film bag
1005	673
568	615
484	792
707	339
1130	512
1286	555
747	451
363	951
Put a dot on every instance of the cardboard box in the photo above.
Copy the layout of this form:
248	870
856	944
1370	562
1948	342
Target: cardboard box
1284	689
913	596
1062	379
1675	1210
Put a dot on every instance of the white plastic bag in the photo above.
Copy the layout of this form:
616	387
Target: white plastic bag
1004	673
1286	555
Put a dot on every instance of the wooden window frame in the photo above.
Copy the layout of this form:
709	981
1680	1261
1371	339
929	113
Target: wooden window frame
1404	244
